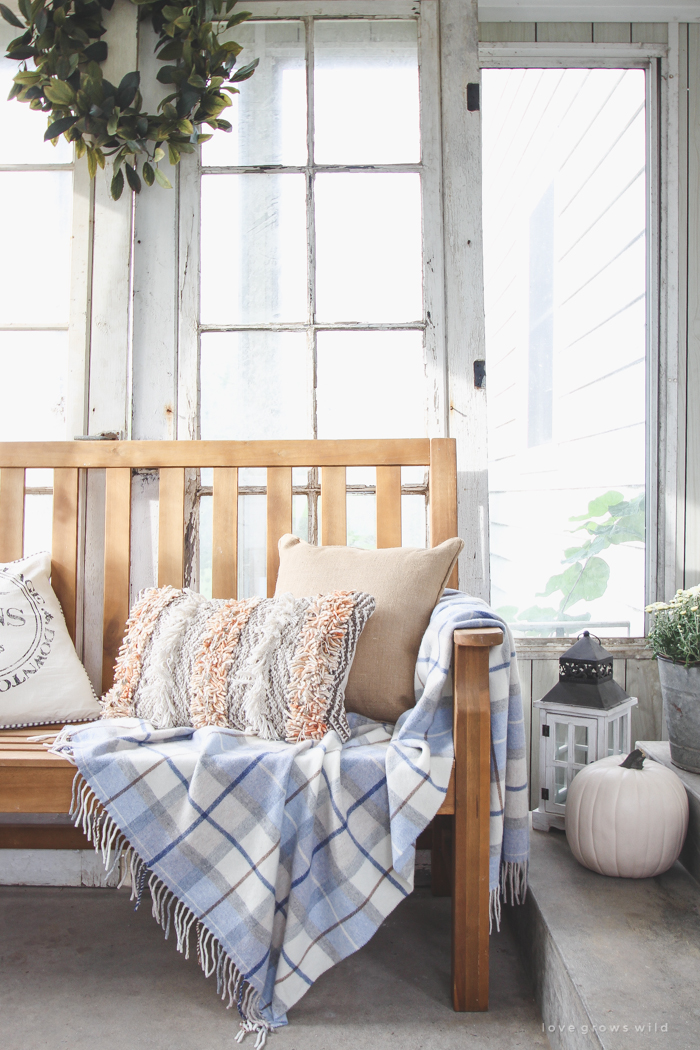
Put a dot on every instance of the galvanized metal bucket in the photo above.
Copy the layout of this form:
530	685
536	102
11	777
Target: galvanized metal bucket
680	687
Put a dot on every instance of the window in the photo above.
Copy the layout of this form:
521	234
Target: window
565	208
36	187
312	314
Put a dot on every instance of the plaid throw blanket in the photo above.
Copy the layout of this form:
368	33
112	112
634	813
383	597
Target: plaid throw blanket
284	859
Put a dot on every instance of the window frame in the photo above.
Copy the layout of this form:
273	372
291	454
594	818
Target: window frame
429	169
660	63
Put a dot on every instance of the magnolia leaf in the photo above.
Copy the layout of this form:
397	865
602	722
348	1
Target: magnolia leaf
22	52
91	162
10	17
162	180
148	174
59	92
245	72
173	154
117	185
240	17
96	52
159	154
126	92
58	127
132	178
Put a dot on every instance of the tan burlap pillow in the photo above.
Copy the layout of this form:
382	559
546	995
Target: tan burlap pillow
406	583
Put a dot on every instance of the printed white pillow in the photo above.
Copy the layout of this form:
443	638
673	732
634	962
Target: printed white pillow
41	678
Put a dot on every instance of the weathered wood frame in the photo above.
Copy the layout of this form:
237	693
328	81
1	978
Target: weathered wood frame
34	782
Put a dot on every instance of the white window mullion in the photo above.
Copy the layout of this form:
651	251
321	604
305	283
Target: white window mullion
433	255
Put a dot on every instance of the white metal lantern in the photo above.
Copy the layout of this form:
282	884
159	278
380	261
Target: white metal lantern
586	716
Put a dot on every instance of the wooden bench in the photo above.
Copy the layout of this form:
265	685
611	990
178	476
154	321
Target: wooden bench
33	782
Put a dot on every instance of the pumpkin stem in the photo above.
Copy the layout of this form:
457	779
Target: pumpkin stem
635	759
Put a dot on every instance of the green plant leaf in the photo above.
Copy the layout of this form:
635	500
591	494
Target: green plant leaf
162	180
132	178
148	174
173	154
58	127
117	185
59	92
237	19
91	163
245	72
126	92
599	506
10	17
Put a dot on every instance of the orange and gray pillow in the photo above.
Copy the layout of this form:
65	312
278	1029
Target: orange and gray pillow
274	667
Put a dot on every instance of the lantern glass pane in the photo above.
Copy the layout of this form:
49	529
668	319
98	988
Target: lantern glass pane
581	745
560	785
561	742
611	738
565	261
623	743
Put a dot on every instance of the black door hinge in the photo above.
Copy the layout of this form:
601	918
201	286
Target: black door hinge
545	730
545	794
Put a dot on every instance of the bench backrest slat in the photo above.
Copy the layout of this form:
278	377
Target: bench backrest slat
64	542
334	527
224	562
388	506
279	518
11	513
172	459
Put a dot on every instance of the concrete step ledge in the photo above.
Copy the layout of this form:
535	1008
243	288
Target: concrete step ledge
615	962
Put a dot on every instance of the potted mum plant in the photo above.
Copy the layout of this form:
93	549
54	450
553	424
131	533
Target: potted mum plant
675	639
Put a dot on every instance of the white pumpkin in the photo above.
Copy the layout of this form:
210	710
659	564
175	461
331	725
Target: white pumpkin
628	821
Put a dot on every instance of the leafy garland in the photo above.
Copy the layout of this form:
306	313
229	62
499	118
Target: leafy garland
63	38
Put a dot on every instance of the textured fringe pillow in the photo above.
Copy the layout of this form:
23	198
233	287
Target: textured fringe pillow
41	678
274	666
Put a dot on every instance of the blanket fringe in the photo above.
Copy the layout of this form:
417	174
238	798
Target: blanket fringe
171	913
512	890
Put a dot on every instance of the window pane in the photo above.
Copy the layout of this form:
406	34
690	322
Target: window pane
38	524
366	102
36	233
368	247
362	519
413	521
252	539
255	385
370	384
22	140
39	359
206	543
269	115
300	517
253	248
565	271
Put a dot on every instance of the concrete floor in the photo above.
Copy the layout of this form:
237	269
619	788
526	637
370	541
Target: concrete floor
80	969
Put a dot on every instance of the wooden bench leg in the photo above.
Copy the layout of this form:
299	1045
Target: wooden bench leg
470	841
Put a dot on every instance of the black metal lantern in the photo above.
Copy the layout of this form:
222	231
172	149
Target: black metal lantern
586	677
586	716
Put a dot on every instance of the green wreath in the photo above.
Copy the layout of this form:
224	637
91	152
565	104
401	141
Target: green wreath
63	38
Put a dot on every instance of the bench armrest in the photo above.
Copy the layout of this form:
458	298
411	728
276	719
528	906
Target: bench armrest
470	852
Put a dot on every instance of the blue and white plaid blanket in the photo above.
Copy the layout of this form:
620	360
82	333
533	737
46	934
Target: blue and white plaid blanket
285	858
